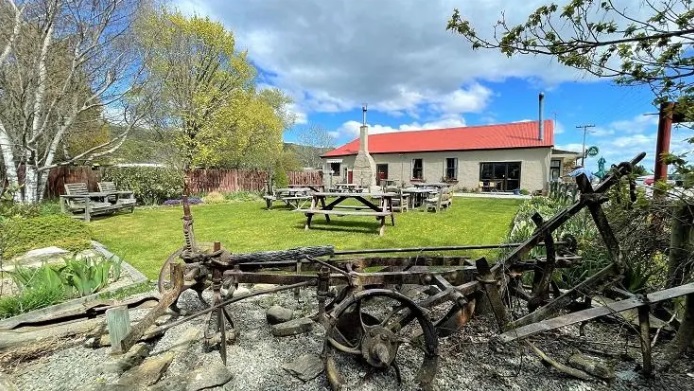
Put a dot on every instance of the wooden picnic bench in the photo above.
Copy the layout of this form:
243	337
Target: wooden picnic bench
380	212
439	201
125	197
292	197
81	203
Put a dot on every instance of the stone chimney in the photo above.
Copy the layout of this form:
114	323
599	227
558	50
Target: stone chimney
364	171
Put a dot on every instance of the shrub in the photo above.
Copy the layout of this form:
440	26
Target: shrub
51	284
19	235
150	185
524	191
191	201
214	197
243	196
631	224
30	299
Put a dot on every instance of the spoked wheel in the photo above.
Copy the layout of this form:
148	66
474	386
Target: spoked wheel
164	282
374	326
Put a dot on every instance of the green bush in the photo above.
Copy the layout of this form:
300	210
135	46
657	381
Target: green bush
51	284
150	185
524	191
631	224
19	235
243	196
214	197
31	299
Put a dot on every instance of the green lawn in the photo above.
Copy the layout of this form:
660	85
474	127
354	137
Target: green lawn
146	237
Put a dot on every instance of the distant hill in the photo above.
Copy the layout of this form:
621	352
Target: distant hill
307	156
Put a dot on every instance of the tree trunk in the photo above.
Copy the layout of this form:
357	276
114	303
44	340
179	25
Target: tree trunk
31	182
679	270
681	244
8	158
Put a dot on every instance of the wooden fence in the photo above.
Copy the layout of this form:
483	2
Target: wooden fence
201	180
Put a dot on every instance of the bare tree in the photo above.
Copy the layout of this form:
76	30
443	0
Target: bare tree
61	61
313	141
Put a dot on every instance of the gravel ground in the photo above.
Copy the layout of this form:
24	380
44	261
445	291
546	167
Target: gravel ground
467	361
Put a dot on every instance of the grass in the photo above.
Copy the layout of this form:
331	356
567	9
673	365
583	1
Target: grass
148	236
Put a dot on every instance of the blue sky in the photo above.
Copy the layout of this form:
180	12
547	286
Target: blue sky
395	55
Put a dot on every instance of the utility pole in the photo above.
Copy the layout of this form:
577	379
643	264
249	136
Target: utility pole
583	151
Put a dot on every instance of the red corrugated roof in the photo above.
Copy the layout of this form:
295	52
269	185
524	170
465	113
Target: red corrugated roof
502	136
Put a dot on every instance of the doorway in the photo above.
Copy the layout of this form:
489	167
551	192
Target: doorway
501	176
381	173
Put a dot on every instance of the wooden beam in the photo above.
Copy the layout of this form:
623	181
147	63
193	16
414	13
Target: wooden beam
592	313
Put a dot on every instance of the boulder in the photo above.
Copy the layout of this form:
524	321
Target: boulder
277	314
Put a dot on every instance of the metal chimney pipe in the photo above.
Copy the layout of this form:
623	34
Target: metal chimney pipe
541	126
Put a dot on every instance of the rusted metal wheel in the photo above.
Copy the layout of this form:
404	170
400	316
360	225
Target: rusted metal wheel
376	335
164	282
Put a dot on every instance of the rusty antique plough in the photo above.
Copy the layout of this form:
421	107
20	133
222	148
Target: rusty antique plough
373	314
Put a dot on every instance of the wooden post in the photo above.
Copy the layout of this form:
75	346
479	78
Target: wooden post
491	292
645	334
167	299
118	324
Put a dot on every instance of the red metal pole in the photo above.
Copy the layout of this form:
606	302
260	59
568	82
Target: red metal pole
663	141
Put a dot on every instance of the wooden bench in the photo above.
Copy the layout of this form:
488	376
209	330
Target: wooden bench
380	216
439	201
124	197
292	201
83	204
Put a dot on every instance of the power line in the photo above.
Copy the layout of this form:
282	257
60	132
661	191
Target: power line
583	150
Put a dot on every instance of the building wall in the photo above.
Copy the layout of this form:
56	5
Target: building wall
534	166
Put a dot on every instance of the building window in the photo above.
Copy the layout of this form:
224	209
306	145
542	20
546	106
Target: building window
417	169
501	176
451	169
335	168
555	169
381	172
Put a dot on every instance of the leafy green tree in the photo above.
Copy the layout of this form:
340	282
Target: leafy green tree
208	99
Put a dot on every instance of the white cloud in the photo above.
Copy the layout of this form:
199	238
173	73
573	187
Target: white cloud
300	116
396	55
351	128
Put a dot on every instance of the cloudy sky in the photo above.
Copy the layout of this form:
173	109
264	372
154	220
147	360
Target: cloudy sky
396	56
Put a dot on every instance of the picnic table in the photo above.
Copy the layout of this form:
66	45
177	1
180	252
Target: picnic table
346	187
418	195
291	196
311	187
365	208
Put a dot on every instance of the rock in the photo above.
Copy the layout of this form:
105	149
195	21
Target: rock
149	372
293	327
592	366
277	314
262	287
45	252
306	367
174	383
208	376
187	338
7	383
163	319
128	360
240	291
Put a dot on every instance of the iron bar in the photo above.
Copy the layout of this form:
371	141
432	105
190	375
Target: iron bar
233	300
439	248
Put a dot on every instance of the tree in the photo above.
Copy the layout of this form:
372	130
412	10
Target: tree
614	42
60	62
209	102
313	141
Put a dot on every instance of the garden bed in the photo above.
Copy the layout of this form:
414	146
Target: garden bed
80	289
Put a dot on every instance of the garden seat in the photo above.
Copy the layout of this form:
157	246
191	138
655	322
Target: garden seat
124	197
